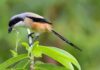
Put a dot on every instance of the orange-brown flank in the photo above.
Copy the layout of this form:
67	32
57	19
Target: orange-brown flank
38	26
41	27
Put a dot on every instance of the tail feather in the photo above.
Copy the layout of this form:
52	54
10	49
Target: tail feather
67	41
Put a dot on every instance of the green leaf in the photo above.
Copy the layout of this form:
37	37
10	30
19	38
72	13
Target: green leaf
22	64
14	53
59	55
25	45
69	57
48	66
30	49
35	51
12	60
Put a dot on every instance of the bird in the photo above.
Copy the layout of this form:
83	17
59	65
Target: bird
37	24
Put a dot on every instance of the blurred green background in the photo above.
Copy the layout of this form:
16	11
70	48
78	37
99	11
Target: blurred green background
77	20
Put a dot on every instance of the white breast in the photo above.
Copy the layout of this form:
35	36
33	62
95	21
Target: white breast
21	23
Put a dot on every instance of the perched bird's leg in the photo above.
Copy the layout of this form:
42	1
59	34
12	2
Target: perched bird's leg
34	38
30	35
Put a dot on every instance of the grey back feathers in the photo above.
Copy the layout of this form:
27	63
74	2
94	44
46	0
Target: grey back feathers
20	17
23	15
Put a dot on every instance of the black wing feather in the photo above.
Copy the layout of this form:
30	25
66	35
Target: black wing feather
42	20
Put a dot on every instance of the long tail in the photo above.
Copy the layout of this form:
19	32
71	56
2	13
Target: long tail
67	41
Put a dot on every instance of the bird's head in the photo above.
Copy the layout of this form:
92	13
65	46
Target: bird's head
16	21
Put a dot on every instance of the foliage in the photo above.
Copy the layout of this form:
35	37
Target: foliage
37	50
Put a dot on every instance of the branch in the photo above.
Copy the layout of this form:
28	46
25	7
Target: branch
31	56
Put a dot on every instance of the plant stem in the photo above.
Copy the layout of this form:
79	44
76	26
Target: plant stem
17	40
31	55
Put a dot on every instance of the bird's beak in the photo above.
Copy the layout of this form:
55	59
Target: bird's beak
9	29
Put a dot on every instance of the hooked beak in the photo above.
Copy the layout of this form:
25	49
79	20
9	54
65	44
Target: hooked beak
9	29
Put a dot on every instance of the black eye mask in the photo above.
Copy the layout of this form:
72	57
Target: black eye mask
14	21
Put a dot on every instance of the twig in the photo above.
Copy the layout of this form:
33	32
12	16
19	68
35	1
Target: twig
17	40
31	55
